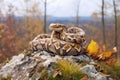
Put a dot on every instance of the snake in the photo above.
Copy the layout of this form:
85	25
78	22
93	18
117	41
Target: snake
62	40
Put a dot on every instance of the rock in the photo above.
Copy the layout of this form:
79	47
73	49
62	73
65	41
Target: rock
7	69
23	67
79	58
19	67
93	74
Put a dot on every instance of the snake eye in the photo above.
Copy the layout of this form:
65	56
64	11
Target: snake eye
81	36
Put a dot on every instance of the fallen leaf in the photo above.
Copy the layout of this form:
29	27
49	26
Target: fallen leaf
93	48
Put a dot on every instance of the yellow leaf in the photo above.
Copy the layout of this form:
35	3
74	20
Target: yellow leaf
93	48
106	55
96	52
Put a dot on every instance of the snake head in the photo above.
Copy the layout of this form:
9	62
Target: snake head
57	27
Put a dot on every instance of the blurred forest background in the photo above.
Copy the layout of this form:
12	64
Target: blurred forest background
16	31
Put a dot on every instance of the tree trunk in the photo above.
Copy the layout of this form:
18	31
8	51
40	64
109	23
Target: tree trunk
77	13
115	17
103	23
45	9
115	13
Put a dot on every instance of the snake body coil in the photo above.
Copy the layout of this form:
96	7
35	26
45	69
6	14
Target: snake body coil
62	41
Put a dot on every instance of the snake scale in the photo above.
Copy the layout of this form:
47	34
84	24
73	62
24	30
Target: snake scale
62	41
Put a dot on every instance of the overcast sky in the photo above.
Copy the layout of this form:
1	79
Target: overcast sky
59	8
69	7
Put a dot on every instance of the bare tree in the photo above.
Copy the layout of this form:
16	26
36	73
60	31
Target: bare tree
103	23
115	16
77	13
45	10
46	4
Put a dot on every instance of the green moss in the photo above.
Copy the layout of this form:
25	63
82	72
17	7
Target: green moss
70	70
83	63
7	78
44	75
7	60
27	52
112	70
116	68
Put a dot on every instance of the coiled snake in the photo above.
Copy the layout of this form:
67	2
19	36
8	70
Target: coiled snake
62	41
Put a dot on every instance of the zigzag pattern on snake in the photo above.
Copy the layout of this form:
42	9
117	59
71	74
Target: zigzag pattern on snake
62	41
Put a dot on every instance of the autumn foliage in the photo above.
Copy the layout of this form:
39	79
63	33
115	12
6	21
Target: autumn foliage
15	35
98	52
